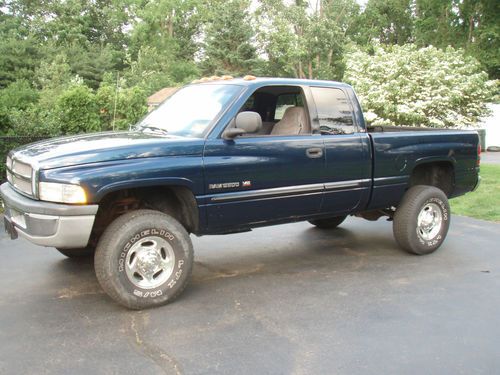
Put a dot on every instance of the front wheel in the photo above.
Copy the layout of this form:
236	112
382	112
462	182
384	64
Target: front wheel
422	220
83	252
144	259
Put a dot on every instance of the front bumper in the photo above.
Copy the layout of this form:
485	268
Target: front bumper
46	223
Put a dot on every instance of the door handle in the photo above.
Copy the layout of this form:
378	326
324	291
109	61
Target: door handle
314	153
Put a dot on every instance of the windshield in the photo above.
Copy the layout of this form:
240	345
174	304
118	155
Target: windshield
190	111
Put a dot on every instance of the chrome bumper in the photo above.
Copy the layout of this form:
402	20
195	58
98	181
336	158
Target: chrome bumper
45	223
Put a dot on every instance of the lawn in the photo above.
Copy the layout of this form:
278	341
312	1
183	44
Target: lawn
484	203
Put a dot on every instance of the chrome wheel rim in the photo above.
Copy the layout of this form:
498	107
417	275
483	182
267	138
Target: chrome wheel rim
429	221
150	262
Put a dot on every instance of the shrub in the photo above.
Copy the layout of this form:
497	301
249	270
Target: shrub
131	105
404	85
77	110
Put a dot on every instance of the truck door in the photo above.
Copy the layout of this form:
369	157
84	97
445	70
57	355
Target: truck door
347	175
261	178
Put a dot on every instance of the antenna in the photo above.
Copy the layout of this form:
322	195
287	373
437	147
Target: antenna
116	100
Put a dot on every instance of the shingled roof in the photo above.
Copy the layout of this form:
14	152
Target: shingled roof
159	96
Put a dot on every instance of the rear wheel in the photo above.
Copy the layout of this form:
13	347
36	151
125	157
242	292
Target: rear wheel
84	252
143	259
329	223
422	220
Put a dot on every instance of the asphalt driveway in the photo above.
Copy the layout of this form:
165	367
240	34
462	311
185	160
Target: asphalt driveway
290	299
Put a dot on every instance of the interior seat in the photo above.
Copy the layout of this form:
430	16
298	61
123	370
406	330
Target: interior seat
267	127
294	122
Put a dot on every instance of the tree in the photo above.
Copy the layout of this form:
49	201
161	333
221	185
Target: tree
19	51
228	46
18	96
389	21
151	70
405	85
304	43
480	26
165	32
435	22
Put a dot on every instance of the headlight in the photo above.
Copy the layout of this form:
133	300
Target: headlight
8	163
64	193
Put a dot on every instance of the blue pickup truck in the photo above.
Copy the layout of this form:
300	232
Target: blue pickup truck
224	156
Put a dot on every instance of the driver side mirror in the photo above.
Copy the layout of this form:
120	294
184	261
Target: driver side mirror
245	122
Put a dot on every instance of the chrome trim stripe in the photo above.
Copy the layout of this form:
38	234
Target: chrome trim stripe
390	180
267	192
290	190
346	184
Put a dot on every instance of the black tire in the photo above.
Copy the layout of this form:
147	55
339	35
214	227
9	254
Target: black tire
329	223
422	240
84	252
116	250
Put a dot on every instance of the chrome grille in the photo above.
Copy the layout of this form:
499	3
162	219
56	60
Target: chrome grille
19	175
21	169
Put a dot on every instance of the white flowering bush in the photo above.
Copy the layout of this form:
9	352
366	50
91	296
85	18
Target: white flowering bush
429	87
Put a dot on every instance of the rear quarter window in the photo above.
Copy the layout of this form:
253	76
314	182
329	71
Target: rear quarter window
335	115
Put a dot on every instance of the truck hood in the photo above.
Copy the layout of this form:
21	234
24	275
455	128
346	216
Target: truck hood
108	146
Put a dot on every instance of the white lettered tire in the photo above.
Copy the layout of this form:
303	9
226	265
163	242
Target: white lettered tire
144	259
422	220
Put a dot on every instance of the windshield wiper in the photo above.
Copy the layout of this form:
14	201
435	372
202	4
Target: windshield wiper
154	128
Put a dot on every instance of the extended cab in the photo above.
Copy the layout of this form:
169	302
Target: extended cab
226	156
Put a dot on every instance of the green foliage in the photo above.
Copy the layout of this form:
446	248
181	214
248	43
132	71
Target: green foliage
17	96
120	107
53	74
19	51
228	34
389	21
92	62
405	85
77	110
306	44
435	23
150	70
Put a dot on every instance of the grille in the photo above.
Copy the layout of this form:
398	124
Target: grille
19	175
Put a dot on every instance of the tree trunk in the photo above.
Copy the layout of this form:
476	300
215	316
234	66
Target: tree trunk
471	28
330	55
301	71
171	24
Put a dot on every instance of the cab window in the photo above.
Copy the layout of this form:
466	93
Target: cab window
335	115
285	101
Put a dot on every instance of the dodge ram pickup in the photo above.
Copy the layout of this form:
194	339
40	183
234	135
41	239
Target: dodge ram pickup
224	156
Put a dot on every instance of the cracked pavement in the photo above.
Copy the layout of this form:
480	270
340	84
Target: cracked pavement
288	299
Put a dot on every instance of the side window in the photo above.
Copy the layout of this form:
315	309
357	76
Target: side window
249	104
334	111
285	101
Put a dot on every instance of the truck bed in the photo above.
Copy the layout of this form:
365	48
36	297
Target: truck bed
397	151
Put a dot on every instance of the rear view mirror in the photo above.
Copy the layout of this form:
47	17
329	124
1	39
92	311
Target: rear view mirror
245	122
233	133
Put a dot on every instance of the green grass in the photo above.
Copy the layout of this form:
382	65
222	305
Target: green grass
484	203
